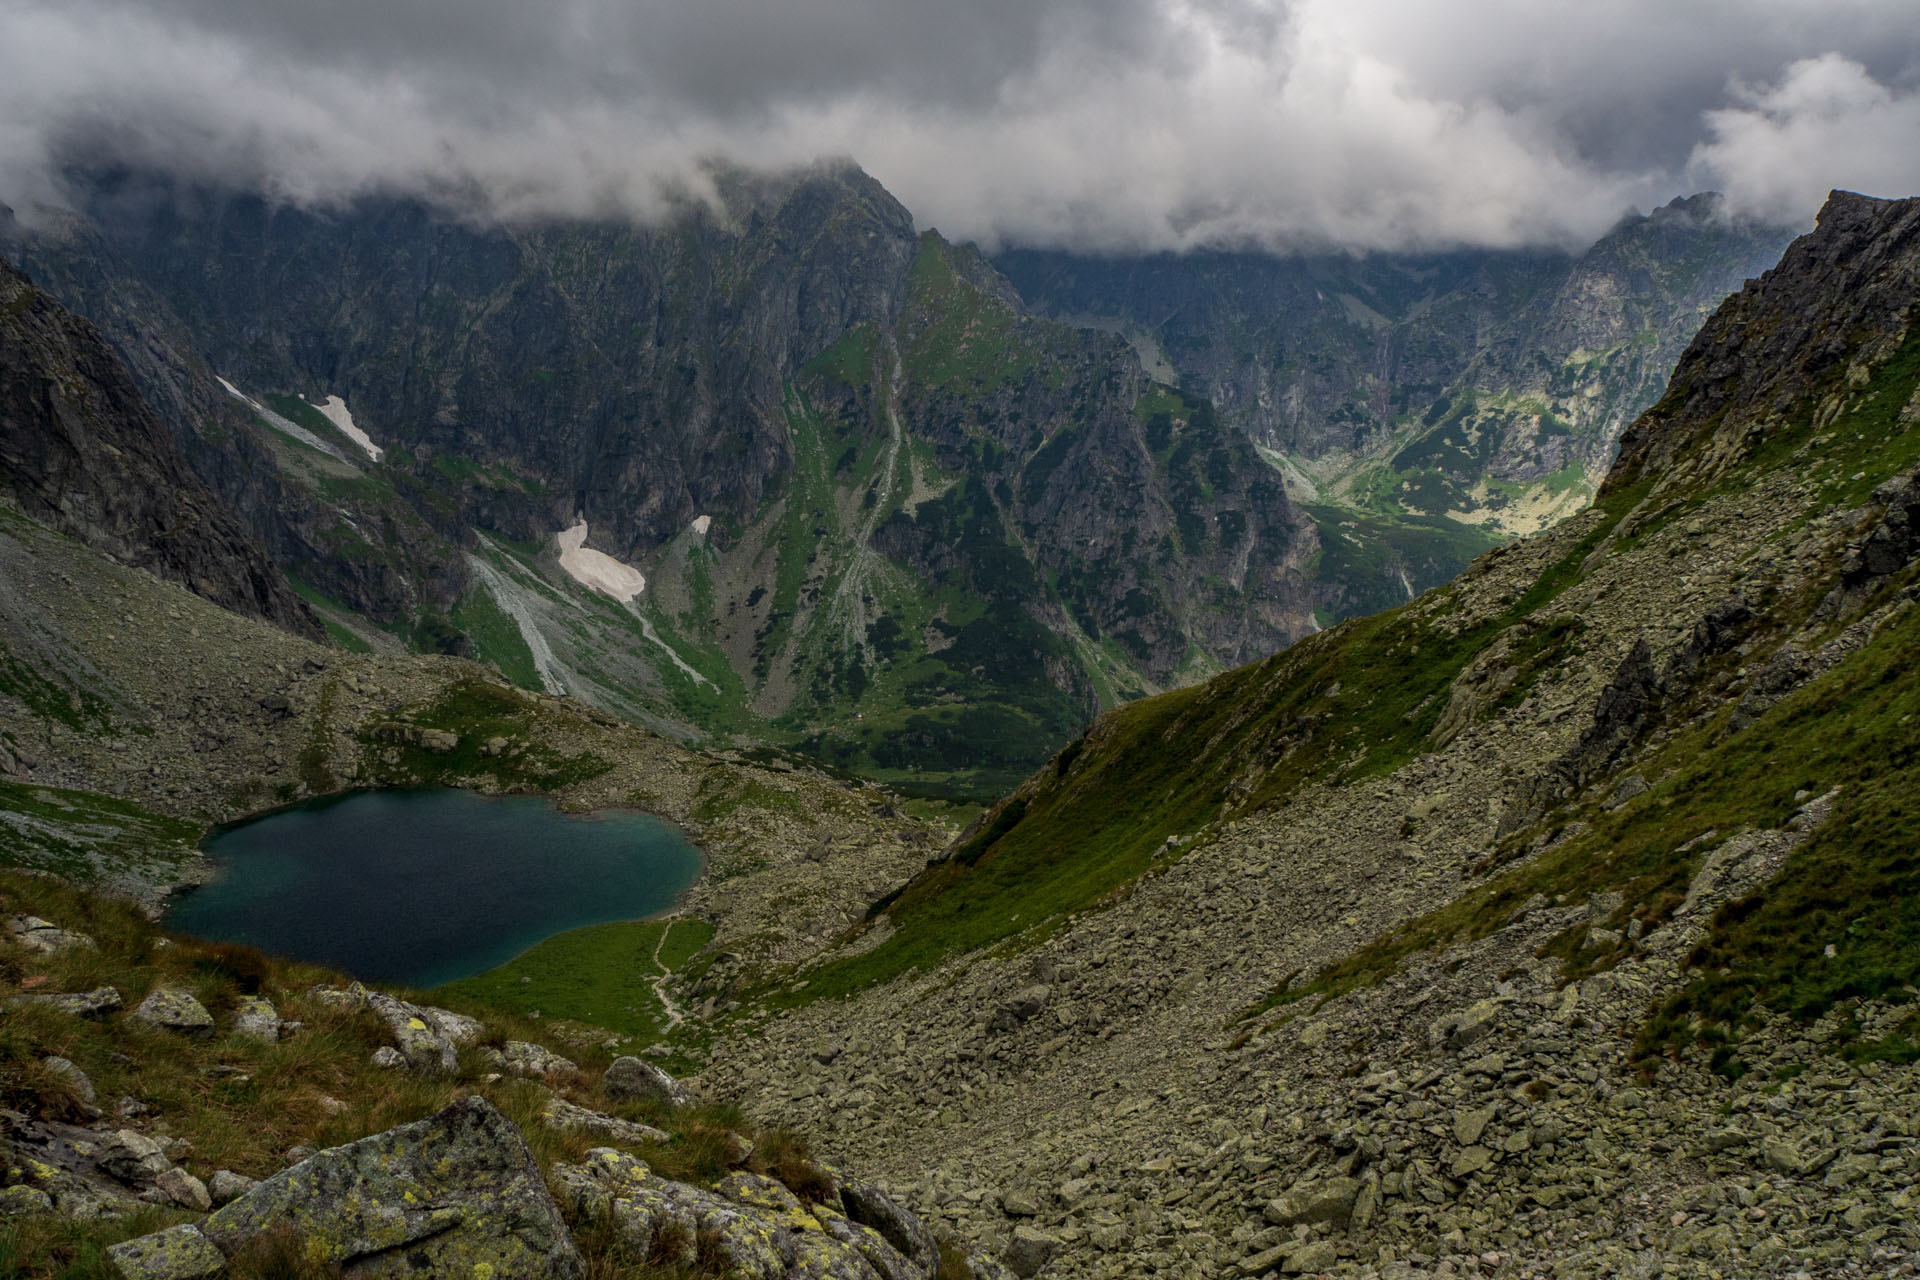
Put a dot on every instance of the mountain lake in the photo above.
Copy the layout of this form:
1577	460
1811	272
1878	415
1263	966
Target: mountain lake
418	888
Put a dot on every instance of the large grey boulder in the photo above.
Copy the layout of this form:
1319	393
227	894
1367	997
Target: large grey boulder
1317	1200
871	1207
457	1194
751	1227
171	1009
257	1019
633	1080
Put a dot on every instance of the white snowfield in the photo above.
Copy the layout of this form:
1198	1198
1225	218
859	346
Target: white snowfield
335	410
700	525
597	569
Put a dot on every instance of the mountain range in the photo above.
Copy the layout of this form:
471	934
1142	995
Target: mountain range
1555	921
916	513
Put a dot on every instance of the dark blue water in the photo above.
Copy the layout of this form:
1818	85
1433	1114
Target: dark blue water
424	887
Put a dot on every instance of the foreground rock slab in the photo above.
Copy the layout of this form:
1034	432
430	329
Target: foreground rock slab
456	1194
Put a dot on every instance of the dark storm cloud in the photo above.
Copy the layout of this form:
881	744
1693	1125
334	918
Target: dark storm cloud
1093	123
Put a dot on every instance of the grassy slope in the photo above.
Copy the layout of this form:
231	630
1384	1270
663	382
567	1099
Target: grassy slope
602	975
1356	701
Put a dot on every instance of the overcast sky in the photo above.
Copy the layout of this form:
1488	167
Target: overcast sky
1093	124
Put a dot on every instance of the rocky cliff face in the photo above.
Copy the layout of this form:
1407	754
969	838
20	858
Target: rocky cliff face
877	509
1559	921
1492	386
81	452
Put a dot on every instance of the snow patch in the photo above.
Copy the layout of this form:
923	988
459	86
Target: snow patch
335	410
597	569
700	525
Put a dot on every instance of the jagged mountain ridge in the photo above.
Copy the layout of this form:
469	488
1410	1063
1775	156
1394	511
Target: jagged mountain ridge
1491	386
797	375
1558	922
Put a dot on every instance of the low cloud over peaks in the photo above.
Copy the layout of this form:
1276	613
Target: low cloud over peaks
1093	124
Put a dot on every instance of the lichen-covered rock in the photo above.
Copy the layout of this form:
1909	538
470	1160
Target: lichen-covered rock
521	1058
133	1158
257	1019
44	936
172	1009
558	1113
178	1253
753	1227
634	1080
98	1003
1320	1200
386	1057
227	1186
428	1038
455	1194
23	1200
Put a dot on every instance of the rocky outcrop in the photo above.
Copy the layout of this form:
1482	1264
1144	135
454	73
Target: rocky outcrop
458	1193
81	451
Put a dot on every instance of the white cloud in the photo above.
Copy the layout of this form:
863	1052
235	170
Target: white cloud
1826	123
1110	124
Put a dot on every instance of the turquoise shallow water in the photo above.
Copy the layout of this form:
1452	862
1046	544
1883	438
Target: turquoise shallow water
424	887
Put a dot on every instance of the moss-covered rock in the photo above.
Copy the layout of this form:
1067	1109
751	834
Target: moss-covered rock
455	1194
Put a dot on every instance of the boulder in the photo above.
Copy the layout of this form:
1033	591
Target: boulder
171	1009
455	1194
97	1004
671	1222
132	1158
386	1057
185	1190
178	1253
72	1074
257	1019
1024	1005
521	1058
44	936
1463	1027
1316	1200
227	1186
428	1038
1028	1251
558	1113
871	1207
632	1080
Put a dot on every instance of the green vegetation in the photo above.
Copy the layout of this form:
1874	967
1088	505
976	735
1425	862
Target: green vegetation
1357	701
51	697
497	639
963	335
240	1104
1383	560
478	712
1853	886
83	835
601	975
